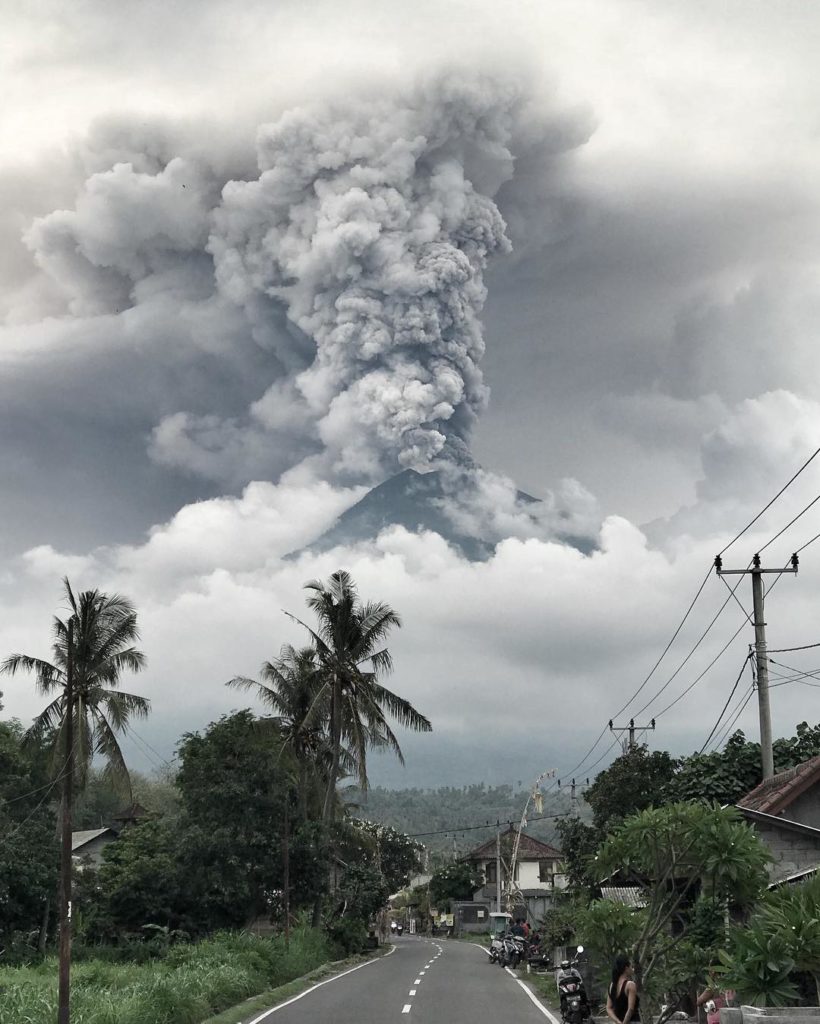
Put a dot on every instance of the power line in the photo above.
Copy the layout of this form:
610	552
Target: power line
727	731
788	484
699	641
790	523
488	824
697	679
728	702
787	650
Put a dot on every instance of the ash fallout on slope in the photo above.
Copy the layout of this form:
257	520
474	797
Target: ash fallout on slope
353	256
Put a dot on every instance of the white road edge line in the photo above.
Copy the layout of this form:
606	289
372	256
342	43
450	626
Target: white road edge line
531	996
319	984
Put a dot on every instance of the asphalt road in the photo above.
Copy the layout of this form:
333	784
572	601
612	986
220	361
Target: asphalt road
423	981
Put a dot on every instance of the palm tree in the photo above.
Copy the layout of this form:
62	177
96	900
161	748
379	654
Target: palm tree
350	635
290	687
91	648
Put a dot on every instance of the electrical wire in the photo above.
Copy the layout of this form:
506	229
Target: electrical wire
697	679
716	726
489	824
699	641
790	523
788	484
787	650
728	730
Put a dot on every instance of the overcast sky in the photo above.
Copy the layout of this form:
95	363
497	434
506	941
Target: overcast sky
592	230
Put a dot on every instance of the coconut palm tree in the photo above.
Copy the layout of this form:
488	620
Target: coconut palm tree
289	688
348	638
94	646
90	650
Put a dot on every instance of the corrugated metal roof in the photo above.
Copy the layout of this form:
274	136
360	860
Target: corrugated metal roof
79	839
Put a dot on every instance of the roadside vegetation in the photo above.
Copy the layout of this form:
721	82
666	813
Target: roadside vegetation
185	986
247	829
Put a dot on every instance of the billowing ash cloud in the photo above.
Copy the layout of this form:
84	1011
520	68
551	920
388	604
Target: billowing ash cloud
349	263
368	222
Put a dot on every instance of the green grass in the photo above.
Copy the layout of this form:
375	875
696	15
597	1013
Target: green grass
191	984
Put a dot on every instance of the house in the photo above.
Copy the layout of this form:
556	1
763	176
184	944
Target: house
536	867
90	844
785	812
536	875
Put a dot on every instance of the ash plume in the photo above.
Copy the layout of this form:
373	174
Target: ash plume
373	223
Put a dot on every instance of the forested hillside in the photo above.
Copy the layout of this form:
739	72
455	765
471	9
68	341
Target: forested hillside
450	810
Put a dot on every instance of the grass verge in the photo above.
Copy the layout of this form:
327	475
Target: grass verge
187	987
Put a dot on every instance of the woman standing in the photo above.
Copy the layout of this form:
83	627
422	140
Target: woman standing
623	1003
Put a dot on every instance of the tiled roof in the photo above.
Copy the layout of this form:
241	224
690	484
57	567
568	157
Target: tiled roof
529	848
773	796
629	895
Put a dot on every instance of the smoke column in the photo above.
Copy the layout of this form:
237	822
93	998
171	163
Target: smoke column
373	223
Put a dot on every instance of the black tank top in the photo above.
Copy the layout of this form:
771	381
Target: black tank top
620	1002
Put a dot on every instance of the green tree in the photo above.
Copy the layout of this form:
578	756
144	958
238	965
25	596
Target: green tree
103	628
349	636
456	881
28	844
634	781
579	844
234	782
783	936
727	775
674	855
396	856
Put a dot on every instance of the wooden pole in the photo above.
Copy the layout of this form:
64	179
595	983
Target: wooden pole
64	995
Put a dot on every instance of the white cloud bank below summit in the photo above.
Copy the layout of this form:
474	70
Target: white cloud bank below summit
540	645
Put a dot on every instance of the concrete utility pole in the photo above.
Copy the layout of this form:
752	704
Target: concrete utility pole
631	729
498	867
761	658
64	989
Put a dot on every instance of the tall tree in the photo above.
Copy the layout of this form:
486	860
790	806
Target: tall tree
349	636
94	645
290	688
91	648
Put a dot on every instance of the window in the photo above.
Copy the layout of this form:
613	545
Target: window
546	871
489	872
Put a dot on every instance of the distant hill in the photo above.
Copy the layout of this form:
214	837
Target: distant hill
449	810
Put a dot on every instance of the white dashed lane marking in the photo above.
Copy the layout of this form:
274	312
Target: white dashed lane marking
406	1008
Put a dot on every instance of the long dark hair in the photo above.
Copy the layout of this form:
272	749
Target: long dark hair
621	963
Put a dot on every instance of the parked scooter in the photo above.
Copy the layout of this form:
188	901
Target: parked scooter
572	993
513	950
499	924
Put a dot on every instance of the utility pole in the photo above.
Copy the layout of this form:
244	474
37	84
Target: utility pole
498	866
631	729
64	993
761	658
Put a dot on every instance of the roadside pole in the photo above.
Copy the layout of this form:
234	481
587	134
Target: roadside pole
761	657
498	867
64	991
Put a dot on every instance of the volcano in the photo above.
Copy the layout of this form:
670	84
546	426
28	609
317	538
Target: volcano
419	502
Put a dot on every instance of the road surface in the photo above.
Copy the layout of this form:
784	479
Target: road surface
423	981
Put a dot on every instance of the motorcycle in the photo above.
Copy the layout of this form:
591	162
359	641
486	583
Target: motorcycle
572	993
499	923
513	950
